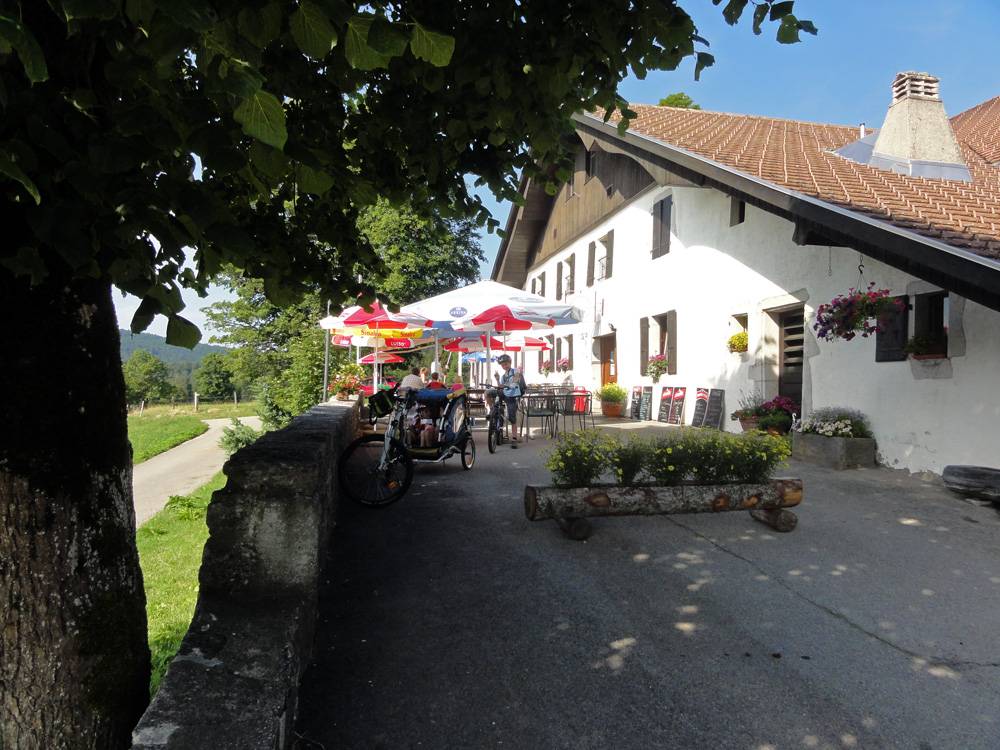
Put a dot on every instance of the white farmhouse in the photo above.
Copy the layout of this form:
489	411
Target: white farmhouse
695	225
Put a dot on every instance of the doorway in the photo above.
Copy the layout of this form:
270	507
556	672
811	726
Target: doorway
609	359
791	353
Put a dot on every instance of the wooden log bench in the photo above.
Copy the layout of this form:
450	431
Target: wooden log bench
767	502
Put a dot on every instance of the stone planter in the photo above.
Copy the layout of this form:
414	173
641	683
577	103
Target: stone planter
612	408
833	452
749	424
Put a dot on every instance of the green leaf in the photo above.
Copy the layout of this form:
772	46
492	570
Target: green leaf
759	14
312	31
102	9
733	11
196	15
269	161
27	262
704	60
182	332
27	48
313	180
140	12
387	38
782	9
788	31
263	118
809	27
14	172
260	27
356	48
428	45
144	315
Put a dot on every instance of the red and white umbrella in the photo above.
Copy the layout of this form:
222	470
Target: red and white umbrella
381	358
510	344
372	316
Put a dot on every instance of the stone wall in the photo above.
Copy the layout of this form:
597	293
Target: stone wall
234	682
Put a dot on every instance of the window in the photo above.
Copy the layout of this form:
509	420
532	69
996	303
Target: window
590	165
591	255
569	283
890	339
643	345
667	338
662	211
604	265
930	322
559	280
737	211
541	285
741	321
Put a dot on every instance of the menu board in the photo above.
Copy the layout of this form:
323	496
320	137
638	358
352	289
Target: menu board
713	412
636	401
646	403
700	406
677	406
666	399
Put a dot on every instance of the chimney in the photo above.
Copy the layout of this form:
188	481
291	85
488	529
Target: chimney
916	129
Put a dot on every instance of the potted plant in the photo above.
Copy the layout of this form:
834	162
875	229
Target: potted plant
546	367
738	342
856	312
749	410
612	398
836	437
926	347
562	365
656	366
773	416
346	380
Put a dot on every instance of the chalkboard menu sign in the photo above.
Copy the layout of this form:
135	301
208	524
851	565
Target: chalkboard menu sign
677	406
646	403
666	399
636	401
700	406
713	412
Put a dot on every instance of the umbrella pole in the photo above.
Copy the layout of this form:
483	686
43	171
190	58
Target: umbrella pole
326	358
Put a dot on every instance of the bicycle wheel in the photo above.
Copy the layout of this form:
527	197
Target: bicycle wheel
364	481
468	453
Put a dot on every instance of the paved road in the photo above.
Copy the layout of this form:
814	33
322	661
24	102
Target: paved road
449	621
180	470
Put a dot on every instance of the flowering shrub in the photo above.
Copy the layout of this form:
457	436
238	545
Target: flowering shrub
738	342
347	379
856	312
612	393
546	367
579	458
780	403
753	405
836	422
687	455
656	366
562	365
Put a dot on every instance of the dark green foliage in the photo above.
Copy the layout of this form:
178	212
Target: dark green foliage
780	421
579	458
679	99
629	459
213	378
237	436
271	415
146	378
158	347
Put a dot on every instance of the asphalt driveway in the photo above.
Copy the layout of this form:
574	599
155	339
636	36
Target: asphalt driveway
450	621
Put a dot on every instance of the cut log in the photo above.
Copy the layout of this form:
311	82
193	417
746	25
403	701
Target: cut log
982	482
541	503
778	519
576	529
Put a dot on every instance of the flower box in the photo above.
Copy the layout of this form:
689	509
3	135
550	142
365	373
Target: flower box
749	423
612	408
833	452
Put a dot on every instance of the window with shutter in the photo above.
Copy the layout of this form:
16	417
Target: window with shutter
591	254
643	345
569	282
891	336
930	322
661	226
605	264
559	280
541	285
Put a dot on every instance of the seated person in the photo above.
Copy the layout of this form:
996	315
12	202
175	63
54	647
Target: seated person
435	381
428	432
413	380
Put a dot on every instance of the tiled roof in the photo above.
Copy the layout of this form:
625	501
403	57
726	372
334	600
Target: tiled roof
798	156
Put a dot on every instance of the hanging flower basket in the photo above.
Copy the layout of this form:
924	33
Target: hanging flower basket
856	312
656	366
562	365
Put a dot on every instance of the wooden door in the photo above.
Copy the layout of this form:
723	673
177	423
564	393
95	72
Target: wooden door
609	359
791	348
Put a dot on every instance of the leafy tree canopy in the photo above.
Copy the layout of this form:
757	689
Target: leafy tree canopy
146	378
679	99
300	114
213	378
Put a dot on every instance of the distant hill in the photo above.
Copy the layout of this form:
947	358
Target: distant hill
158	347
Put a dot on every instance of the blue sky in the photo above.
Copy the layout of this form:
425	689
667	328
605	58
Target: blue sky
841	76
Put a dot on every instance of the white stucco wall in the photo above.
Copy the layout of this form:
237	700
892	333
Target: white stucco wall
715	271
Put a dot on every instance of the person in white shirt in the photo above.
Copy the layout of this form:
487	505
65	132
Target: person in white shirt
413	380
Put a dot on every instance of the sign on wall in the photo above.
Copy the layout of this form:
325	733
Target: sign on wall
636	401
666	400
676	415
700	407
646	403
714	410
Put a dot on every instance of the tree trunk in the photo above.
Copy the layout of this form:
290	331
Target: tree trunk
74	662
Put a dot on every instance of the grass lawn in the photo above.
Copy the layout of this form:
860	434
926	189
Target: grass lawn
170	547
213	410
151	434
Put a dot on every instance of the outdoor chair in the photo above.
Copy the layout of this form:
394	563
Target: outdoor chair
577	404
541	407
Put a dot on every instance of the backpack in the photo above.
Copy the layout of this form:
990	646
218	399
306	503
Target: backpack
517	387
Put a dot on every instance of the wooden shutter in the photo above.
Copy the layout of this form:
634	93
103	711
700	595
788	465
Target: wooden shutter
661	226
541	284
559	280
889	341
570	286
643	345
609	244
671	342
591	253
559	348
569	350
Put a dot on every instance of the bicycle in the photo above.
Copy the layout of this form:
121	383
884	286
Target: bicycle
377	469
496	419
